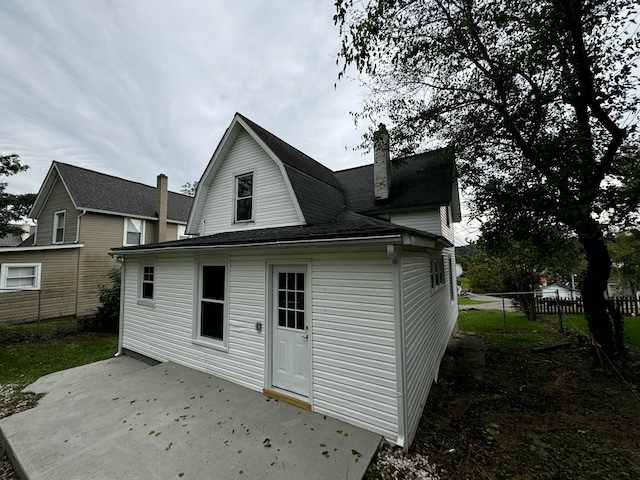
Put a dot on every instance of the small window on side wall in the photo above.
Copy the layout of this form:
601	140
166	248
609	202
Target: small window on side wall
437	272
58	226
133	232
244	198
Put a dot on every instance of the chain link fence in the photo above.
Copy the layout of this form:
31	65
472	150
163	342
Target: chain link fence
23	306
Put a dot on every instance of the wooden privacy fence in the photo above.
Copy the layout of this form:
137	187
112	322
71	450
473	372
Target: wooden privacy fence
626	305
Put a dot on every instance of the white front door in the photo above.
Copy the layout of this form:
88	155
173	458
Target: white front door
290	320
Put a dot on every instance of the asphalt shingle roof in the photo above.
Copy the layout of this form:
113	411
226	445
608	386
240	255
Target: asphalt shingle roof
98	191
422	180
347	224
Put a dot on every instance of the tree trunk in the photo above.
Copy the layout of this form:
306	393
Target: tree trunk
594	286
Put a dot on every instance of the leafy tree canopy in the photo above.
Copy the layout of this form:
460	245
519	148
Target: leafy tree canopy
537	99
12	207
189	188
625	253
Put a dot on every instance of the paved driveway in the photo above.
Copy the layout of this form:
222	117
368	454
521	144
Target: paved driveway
124	419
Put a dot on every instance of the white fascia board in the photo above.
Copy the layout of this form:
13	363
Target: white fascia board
394	239
207	177
280	165
45	191
40	249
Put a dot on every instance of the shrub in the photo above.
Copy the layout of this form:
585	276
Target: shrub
108	316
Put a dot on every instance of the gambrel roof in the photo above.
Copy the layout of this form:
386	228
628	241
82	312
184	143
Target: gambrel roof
98	192
330	204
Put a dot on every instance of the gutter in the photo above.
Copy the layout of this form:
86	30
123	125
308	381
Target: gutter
386	239
42	248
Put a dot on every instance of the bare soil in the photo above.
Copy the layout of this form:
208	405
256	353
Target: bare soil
525	415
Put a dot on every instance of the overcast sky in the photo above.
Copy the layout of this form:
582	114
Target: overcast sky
138	88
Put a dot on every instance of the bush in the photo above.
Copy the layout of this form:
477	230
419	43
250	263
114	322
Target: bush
108	316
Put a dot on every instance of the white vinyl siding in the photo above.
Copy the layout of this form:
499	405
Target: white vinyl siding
351	331
427	220
354	372
430	318
166	332
431	220
272	203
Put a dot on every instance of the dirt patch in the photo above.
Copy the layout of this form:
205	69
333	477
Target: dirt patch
532	415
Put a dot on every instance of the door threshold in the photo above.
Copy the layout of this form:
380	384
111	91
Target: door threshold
287	399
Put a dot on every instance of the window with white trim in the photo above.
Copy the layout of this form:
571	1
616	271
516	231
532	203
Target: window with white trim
244	198
58	226
20	276
211	310
133	232
437	272
453	283
147	284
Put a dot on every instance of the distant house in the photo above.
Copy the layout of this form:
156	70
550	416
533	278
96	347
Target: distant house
81	214
558	290
14	240
334	291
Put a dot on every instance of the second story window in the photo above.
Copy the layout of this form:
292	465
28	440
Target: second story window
133	231
58	226
244	198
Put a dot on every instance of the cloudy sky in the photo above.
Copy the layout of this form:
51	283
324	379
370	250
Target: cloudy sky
136	88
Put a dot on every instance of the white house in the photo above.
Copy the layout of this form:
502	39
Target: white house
334	291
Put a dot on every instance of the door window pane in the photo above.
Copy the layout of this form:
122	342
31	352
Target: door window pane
291	300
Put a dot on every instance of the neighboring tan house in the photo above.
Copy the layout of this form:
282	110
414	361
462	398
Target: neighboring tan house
81	215
334	291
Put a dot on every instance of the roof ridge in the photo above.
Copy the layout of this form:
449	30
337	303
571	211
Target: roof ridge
261	131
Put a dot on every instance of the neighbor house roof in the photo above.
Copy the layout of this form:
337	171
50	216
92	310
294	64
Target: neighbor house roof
98	192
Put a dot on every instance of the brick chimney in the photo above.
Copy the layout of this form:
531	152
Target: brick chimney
381	164
162	195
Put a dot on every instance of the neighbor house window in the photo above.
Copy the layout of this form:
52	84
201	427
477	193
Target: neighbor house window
211	314
437	272
133	232
244	198
146	291
20	276
58	226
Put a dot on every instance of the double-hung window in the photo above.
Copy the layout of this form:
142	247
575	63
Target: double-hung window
244	198
133	232
147	284
211	312
437	272
58	226
20	276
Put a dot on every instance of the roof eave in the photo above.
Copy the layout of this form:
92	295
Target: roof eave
395	239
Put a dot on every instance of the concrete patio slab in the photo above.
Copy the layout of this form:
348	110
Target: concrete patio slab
123	419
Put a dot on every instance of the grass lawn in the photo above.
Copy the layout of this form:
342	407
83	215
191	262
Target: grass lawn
465	282
631	327
26	355
468	301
